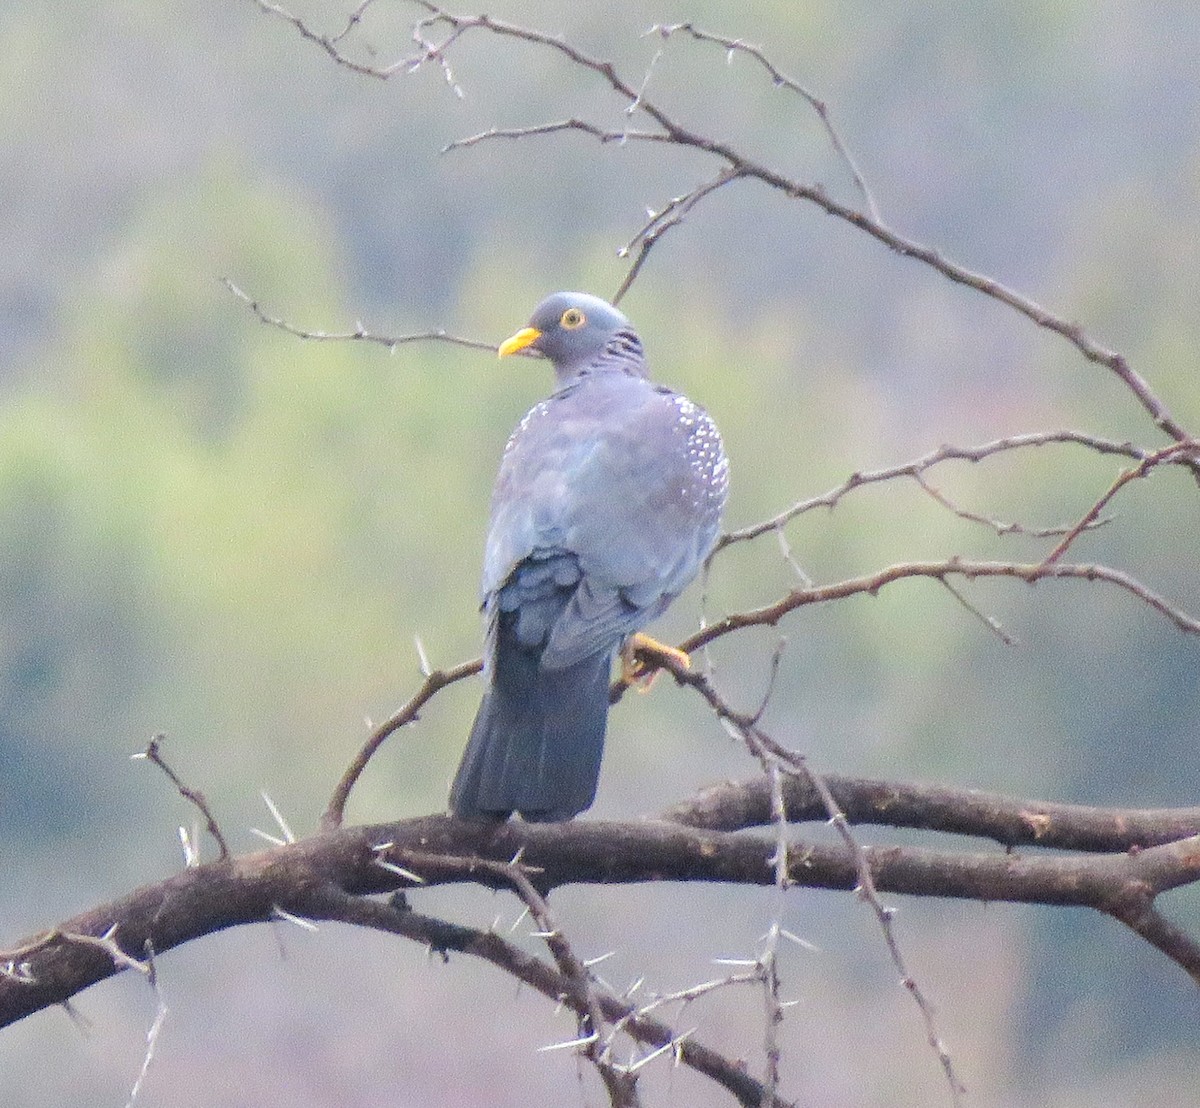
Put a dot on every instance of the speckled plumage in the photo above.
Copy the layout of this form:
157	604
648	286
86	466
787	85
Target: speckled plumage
607	502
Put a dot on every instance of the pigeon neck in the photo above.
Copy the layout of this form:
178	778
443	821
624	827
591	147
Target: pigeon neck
622	353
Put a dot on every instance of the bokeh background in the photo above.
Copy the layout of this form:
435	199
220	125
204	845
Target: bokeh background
211	529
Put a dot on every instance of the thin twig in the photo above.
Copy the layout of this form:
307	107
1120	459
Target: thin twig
999	526
603	134
434	682
329	43
990	622
359	334
869	585
918	466
443	937
768	752
661	222
781	80
354	19
436	52
153	754
1159	457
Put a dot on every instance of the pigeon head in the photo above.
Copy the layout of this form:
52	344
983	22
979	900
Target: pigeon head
573	330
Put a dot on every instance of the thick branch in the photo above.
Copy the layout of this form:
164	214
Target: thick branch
51	968
1010	821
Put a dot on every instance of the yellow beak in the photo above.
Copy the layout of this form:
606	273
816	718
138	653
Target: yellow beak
523	338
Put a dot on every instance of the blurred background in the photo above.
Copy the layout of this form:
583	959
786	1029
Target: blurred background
212	529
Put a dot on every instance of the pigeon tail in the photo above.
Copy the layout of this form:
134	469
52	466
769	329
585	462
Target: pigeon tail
537	739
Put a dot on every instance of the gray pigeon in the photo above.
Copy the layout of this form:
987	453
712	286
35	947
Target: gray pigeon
607	502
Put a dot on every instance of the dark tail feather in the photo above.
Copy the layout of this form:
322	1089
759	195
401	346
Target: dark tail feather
536	742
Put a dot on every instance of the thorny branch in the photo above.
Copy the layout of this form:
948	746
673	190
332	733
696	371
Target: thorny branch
250	888
153	755
582	991
442	937
635	101
917	468
359	334
435	681
774	759
870	584
767	964
621	1082
1136	910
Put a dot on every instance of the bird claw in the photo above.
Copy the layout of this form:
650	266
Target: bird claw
642	659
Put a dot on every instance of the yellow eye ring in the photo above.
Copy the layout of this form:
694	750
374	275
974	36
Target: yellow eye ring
572	318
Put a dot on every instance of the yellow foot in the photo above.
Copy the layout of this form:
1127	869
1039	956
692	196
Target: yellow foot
642	657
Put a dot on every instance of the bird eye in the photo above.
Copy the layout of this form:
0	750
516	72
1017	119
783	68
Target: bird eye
573	318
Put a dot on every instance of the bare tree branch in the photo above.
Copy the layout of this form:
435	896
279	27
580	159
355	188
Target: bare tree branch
620	1083
771	614
153	754
990	622
780	80
744	166
1179	450
352	22
330	43
359	334
603	134
999	526
249	888
1135	908
443	937
661	222
409	713
774	757
1009	821
919	466
634	100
